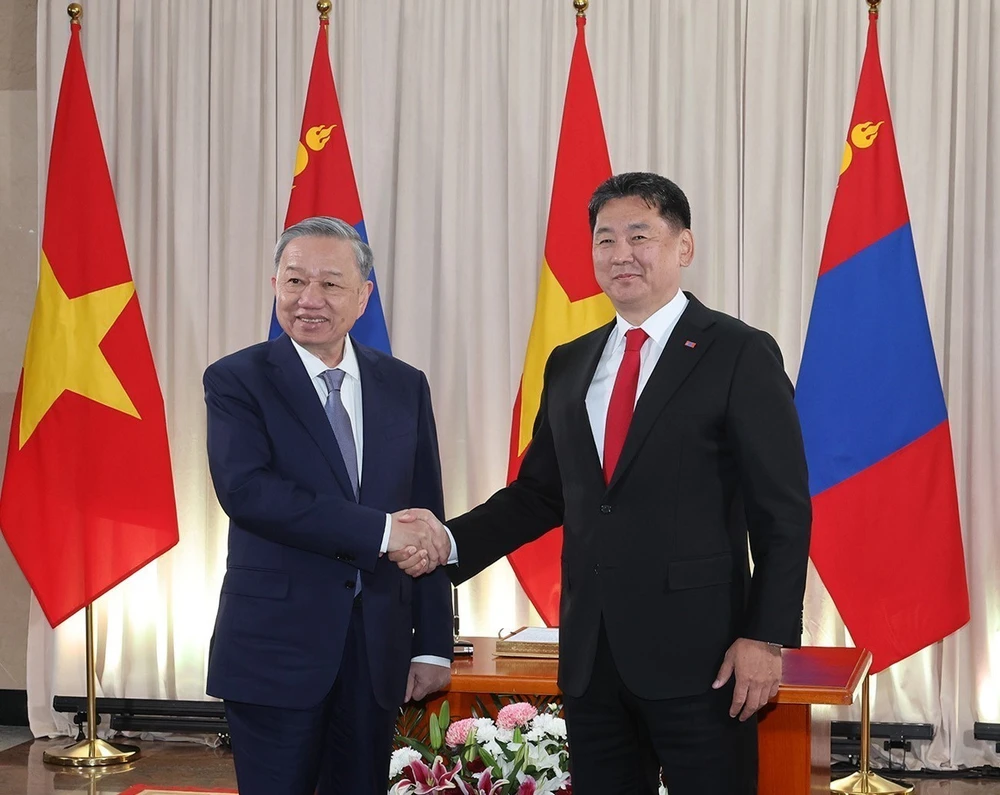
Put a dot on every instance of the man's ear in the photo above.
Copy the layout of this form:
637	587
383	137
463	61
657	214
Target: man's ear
686	247
366	292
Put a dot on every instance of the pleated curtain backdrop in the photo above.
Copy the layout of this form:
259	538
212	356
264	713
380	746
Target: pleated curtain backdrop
452	111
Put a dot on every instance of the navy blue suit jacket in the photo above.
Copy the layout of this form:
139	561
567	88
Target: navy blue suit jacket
297	538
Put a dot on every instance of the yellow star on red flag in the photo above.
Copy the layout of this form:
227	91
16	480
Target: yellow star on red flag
64	353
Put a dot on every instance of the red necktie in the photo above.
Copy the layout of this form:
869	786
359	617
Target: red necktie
622	401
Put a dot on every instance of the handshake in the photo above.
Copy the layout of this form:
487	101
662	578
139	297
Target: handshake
418	542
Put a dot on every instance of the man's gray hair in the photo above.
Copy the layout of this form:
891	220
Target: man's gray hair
324	226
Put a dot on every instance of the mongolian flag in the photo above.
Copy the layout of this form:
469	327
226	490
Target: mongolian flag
324	179
886	536
569	303
88	495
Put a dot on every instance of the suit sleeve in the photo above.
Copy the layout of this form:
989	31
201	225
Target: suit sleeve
522	512
433	615
771	458
260	501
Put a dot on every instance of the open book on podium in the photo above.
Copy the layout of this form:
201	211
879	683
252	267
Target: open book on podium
542	642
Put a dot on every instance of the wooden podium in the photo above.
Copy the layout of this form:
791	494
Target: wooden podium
793	730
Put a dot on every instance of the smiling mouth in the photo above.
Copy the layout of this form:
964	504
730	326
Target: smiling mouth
311	321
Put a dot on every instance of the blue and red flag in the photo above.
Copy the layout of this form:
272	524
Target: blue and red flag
886	535
324	181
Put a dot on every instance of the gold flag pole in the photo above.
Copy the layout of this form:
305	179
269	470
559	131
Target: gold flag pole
324	7
865	781
581	7
92	752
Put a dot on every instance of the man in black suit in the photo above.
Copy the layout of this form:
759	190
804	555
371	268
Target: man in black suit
663	441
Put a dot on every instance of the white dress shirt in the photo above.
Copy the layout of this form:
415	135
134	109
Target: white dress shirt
659	326
350	396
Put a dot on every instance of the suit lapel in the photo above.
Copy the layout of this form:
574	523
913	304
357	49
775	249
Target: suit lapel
290	379
376	401
687	344
583	374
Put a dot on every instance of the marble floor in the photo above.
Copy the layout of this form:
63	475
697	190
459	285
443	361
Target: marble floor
180	764
13	735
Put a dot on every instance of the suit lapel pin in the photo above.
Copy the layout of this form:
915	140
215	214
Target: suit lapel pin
690	344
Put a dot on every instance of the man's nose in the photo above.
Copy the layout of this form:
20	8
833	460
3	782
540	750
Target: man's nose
311	295
622	251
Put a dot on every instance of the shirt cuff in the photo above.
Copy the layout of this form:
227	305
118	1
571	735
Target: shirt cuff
431	659
385	535
453	556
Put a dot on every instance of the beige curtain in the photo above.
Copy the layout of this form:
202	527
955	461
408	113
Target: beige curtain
453	112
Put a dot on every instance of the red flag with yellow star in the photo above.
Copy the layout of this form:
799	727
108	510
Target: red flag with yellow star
88	495
569	303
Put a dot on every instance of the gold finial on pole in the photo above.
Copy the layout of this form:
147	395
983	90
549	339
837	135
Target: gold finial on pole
324	6
581	7
75	11
873	6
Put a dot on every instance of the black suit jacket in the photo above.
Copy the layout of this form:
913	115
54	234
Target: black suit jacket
297	537
713	454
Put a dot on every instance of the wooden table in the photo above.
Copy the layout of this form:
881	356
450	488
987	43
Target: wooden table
793	730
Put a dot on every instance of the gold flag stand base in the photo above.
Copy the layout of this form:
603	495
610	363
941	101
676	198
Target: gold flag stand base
92	752
865	781
96	753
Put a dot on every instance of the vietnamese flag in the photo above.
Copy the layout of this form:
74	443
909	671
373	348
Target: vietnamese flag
569	302
324	181
88	494
886	537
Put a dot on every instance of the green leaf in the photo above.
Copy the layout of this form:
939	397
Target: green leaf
490	762
411	723
436	738
445	716
479	709
470	741
416	745
513	774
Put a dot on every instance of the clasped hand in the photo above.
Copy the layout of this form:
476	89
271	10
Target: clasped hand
418	543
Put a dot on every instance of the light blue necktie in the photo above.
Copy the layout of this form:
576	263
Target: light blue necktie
340	421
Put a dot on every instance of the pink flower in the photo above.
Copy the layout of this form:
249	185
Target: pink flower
458	732
424	780
516	715
484	785
527	787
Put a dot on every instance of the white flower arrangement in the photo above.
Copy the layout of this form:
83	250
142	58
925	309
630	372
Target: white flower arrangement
522	752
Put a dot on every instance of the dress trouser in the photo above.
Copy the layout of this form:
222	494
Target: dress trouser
619	742
342	745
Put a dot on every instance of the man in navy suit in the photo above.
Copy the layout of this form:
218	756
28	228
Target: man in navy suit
316	444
